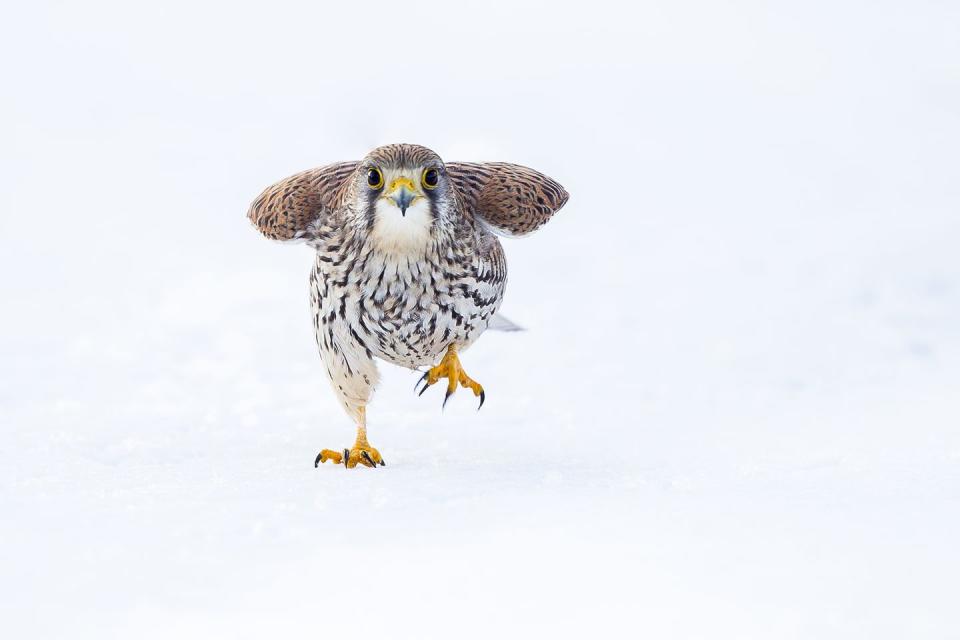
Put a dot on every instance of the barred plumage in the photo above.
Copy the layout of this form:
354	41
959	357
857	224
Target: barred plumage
407	272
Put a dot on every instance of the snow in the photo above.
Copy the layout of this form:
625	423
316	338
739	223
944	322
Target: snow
733	412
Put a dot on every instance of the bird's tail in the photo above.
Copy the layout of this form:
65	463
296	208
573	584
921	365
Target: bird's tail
500	322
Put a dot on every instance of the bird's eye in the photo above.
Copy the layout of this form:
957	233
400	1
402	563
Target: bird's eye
374	178
430	179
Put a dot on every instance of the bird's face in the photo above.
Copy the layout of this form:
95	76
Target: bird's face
406	193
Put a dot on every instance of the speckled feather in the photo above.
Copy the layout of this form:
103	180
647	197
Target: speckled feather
403	304
284	211
511	199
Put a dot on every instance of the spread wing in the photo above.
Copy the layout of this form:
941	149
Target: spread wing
511	199
289	209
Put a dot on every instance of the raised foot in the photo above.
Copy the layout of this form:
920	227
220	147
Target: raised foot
451	369
359	454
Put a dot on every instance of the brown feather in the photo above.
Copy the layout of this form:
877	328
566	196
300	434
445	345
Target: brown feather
285	210
513	200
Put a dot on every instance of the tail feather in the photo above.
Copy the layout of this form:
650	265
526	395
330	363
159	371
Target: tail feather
500	322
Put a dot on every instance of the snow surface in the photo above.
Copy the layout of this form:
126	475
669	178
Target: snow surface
734	413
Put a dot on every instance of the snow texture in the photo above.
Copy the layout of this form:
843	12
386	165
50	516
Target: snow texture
733	412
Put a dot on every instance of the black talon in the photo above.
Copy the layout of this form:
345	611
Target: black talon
346	457
383	462
445	398
483	396
422	378
427	386
316	463
366	456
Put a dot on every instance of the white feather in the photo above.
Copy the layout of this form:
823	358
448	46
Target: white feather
396	232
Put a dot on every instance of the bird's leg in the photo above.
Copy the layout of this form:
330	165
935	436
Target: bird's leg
361	453
451	369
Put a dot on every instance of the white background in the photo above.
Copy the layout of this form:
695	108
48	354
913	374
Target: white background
733	415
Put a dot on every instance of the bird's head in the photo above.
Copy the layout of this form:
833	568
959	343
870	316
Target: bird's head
404	193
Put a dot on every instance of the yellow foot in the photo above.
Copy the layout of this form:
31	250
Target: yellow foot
360	454
451	369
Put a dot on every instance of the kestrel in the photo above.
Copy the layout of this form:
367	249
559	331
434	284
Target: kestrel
409	268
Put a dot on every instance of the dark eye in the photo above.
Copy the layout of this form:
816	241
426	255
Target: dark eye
374	178
430	179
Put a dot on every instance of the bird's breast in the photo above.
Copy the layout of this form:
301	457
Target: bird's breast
410	309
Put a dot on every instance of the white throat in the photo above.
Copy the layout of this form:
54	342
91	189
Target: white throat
394	232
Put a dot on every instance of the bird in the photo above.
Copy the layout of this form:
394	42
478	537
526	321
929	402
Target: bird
409	268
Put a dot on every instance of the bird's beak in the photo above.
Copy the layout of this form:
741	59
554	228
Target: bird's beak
403	192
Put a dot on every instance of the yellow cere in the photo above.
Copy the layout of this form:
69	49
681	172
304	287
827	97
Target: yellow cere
402	182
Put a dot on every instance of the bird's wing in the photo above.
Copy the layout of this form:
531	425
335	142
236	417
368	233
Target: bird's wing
511	199
291	207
